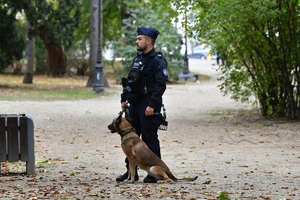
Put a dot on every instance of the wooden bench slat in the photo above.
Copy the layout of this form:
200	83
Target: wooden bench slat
13	138
23	139
3	157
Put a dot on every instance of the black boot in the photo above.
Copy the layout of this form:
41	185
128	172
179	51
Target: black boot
125	176
122	177
149	179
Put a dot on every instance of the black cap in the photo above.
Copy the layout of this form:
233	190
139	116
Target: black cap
151	32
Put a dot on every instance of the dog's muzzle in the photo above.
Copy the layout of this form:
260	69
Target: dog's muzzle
111	127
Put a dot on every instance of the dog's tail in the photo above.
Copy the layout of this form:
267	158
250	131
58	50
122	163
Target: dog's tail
185	179
171	176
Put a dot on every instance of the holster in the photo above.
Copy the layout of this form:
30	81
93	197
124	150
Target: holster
132	97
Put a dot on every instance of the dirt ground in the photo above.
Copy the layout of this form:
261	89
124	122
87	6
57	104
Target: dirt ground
234	151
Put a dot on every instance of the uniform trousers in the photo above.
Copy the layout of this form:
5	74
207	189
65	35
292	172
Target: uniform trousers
146	126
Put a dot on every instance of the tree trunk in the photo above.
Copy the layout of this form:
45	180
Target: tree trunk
93	40
56	55
28	76
57	60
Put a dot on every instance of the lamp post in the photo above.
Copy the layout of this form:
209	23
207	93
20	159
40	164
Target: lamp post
98	77
185	69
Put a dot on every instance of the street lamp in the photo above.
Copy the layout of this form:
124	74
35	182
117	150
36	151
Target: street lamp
185	69
98	77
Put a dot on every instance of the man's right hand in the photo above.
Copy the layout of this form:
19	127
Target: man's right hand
124	105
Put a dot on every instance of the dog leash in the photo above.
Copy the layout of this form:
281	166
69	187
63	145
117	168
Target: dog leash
121	112
163	124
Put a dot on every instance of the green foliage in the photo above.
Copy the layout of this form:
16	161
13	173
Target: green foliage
41	57
260	42
168	41
81	33
113	13
223	196
54	21
12	38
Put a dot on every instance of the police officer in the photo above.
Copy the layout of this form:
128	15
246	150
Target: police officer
143	90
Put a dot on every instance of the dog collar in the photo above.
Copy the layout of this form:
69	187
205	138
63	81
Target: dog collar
123	133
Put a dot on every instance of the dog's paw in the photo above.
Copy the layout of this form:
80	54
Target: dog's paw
161	182
168	180
129	181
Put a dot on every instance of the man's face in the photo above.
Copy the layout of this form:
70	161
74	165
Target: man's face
141	42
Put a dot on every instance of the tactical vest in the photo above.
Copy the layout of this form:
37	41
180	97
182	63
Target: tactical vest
137	83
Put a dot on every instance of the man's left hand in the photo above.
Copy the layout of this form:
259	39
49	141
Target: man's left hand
149	111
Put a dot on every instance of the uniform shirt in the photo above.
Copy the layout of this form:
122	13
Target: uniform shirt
157	68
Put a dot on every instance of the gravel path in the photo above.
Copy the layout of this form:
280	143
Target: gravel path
235	152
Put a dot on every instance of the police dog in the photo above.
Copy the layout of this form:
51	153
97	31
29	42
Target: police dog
140	155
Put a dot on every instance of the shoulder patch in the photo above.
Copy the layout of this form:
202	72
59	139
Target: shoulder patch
165	71
159	55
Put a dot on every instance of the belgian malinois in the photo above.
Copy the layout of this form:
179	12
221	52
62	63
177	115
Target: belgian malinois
140	155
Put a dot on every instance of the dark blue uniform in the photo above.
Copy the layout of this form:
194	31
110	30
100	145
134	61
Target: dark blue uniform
154	77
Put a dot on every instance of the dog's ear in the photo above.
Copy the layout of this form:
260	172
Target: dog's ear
118	120
119	117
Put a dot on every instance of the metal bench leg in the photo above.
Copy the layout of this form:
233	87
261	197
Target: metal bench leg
30	164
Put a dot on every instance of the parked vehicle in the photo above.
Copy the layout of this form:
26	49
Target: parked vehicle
200	52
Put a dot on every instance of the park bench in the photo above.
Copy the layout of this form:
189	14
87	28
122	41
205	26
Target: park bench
188	76
17	140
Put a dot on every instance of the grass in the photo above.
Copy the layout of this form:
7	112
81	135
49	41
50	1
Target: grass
222	112
202	77
235	112
40	80
45	88
40	95
50	89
